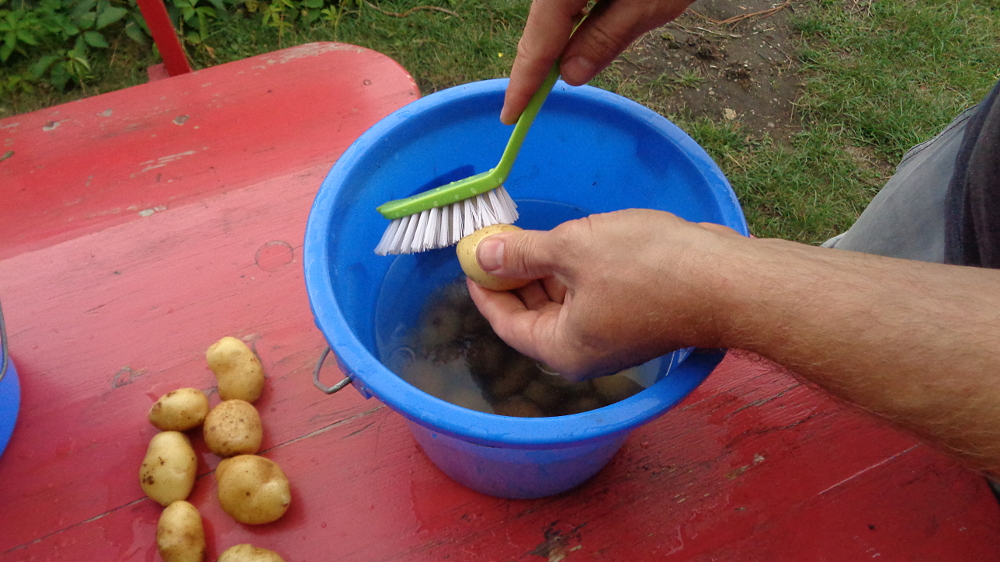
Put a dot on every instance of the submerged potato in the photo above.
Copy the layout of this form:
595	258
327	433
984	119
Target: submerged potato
466	250
249	553
614	388
180	536
179	410
168	471
253	489
518	406
233	428
237	369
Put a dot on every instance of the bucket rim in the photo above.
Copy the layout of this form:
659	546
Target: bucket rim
438	415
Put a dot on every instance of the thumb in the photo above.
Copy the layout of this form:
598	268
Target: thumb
519	254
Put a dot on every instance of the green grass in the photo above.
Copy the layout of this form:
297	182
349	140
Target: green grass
892	73
438	49
878	77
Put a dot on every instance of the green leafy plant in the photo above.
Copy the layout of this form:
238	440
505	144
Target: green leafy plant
57	36
194	18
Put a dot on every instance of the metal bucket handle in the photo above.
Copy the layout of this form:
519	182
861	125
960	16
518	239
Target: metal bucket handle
319	366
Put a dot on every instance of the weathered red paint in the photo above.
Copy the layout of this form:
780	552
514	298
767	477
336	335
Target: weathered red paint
107	311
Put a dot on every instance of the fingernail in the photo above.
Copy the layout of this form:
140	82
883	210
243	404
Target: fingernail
578	70
489	254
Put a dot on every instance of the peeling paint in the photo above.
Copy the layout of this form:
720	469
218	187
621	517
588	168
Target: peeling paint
106	113
313	50
152	210
51	125
181	119
163	160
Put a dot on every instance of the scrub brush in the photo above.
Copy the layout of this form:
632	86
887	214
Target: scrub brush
444	215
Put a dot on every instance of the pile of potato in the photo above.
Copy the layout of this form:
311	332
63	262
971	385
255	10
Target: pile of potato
451	331
251	489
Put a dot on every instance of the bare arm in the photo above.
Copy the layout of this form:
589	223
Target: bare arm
916	343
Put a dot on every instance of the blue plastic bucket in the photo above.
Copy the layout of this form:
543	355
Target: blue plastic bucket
10	390
589	151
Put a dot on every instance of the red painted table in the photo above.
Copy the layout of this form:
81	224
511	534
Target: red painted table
138	227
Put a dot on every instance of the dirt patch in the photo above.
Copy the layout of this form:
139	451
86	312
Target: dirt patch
723	59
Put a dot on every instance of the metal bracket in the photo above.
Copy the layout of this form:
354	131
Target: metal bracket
319	366
4	357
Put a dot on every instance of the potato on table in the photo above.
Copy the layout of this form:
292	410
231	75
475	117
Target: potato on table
233	428
237	369
180	536
249	553
252	489
168	471
179	410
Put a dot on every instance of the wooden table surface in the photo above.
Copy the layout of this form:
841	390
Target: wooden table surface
140	226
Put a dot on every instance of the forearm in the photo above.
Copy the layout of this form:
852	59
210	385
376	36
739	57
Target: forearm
913	342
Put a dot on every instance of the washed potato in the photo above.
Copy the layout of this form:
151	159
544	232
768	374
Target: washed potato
236	369
614	388
517	406
233	428
466	250
252	489
168	471
249	553
179	410
180	536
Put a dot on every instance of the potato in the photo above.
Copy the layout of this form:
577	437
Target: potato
249	553
179	410
252	489
237	370
168	471
233	428
615	388
180	536
466	250
542	394
517	406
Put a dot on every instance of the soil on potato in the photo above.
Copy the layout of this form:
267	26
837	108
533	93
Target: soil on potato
723	59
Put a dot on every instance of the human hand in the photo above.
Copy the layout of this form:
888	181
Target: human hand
608	30
611	290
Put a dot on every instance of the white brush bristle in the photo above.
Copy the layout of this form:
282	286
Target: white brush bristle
441	227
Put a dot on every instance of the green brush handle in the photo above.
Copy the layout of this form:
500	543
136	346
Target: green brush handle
524	123
482	182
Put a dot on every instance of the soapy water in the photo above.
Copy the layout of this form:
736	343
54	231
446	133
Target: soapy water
452	353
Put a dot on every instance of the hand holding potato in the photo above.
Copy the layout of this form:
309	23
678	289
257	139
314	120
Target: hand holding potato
237	369
180	536
179	410
253	489
168	471
233	428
